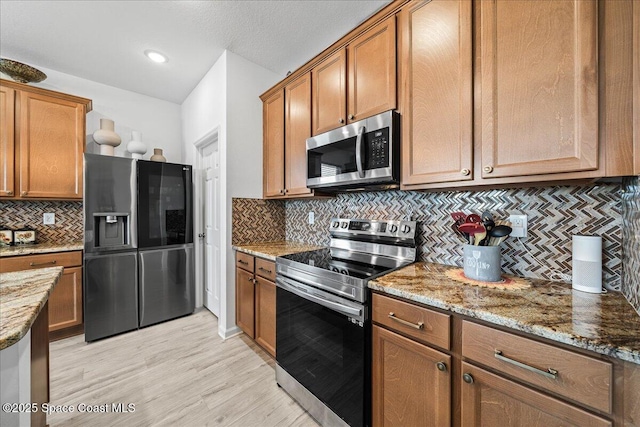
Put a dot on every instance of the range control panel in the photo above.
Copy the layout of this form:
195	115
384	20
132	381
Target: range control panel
382	228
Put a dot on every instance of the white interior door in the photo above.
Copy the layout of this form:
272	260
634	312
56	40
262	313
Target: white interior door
212	240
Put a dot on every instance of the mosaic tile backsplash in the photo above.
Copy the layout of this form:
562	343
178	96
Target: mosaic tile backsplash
68	227
255	221
554	215
631	241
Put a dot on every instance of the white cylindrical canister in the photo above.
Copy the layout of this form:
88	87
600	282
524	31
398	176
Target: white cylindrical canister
586	263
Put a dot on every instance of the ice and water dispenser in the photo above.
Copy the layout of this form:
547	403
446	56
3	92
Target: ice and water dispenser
111	230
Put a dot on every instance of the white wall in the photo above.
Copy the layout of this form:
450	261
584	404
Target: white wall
227	98
158	120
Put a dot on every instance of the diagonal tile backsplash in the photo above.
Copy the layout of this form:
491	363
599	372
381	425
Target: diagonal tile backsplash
255	220
554	215
69	223
631	241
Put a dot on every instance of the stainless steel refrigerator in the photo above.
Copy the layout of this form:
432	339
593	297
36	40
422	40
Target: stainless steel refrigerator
138	249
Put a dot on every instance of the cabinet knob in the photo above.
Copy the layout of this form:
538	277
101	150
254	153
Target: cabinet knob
340	120
441	366
9	193
488	169
24	193
285	191
467	378
282	192
465	172
351	117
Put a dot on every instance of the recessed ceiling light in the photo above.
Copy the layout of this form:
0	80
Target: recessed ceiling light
155	56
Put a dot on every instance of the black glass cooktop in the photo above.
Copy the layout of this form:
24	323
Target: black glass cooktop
322	259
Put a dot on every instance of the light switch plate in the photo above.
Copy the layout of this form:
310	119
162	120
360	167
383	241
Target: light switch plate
49	219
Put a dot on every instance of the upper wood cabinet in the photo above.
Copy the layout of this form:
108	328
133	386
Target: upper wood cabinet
372	71
329	93
273	134
43	141
435	65
368	66
7	100
297	97
539	80
636	85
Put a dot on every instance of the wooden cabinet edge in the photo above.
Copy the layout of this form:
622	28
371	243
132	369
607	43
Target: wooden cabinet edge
88	103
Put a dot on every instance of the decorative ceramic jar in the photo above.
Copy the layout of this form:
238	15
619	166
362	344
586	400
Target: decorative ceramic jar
136	147
6	236
106	138
24	236
157	156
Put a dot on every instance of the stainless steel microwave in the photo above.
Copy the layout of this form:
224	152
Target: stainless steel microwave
364	154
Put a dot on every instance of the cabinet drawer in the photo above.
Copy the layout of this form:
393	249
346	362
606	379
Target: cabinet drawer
245	261
420	323
580	378
29	262
266	269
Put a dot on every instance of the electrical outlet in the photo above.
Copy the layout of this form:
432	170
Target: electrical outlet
518	225
49	218
312	217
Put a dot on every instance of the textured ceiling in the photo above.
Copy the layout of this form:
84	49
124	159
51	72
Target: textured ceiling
104	41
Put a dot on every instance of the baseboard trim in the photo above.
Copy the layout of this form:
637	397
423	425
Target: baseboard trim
229	333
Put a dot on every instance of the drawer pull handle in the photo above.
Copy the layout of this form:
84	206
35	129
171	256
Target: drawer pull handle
265	270
419	325
34	264
243	262
549	373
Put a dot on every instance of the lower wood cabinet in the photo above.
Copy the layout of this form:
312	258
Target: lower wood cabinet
489	376
256	299
65	302
412	382
492	400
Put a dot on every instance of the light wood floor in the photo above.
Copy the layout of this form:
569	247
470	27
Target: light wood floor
176	373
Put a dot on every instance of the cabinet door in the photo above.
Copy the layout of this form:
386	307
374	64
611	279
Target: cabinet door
408	387
273	131
329	93
266	315
539	87
245	303
372	71
297	130
491	400
65	302
7	99
435	82
51	144
636	86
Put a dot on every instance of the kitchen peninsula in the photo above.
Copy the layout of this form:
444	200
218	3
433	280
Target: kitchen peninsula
24	343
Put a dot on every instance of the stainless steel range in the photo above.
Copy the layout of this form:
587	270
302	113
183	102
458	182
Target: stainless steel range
323	327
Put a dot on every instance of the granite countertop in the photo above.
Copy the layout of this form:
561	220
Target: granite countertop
22	296
272	250
603	323
40	248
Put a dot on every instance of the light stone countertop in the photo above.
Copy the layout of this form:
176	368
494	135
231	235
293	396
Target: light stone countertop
40	248
603	323
22	296
272	250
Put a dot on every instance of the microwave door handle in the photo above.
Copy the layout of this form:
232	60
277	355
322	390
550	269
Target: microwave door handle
359	152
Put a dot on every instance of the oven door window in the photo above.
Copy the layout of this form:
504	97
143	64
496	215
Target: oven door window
323	351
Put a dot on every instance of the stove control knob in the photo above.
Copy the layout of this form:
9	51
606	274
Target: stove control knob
405	229
393	228
335	224
344	225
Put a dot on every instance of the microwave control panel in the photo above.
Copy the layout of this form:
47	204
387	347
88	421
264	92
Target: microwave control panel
377	149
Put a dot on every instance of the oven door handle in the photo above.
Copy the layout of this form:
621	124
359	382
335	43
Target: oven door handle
359	165
303	292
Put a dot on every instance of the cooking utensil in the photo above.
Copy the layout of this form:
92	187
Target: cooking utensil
458	217
471	229
498	234
473	218
464	236
479	237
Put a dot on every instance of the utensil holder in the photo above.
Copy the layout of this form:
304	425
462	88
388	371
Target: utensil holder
482	263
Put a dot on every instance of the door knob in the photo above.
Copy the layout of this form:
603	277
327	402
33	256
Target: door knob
201	235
